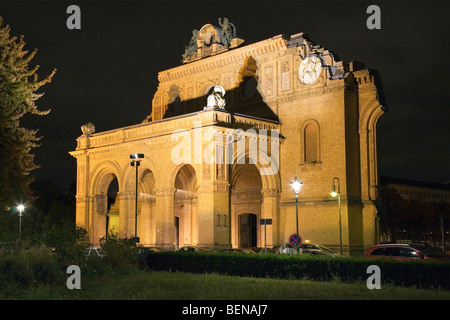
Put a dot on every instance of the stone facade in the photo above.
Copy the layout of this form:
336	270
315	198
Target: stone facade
315	131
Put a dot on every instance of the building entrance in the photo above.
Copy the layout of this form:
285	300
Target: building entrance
247	230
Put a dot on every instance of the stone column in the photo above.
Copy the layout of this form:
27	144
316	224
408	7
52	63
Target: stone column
102	205
213	202
90	218
82	211
164	217
186	237
97	217
126	214
82	197
194	221
270	211
213	194
370	227
145	220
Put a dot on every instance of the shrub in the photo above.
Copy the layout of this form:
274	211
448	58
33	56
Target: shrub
69	243
405	273
28	266
120	254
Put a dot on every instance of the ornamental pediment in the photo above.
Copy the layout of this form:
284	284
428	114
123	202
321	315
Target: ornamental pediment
211	40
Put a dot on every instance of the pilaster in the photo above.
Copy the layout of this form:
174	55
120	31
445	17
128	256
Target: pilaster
214	214
270	211
164	220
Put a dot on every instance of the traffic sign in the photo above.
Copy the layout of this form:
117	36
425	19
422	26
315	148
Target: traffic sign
264	222
295	240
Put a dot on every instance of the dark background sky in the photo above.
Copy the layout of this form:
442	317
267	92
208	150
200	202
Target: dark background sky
107	71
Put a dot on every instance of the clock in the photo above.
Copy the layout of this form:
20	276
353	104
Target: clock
310	69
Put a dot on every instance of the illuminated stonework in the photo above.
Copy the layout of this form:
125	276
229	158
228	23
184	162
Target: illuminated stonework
327	128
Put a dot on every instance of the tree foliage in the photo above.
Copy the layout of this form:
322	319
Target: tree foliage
18	94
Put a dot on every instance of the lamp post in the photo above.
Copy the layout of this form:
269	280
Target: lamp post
136	162
338	194
21	208
296	185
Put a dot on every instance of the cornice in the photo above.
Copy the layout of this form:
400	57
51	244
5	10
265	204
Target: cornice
224	58
161	131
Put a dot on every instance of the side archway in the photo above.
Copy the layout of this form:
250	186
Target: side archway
185	206
103	192
144	227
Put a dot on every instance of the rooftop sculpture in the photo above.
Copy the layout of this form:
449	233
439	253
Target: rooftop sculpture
210	40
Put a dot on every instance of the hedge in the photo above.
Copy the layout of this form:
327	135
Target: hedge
29	267
422	274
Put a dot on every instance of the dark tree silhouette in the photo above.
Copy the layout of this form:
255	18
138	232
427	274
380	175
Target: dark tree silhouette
18	94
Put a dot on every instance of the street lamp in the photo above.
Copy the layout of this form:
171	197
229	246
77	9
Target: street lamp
21	208
338	194
296	186
136	162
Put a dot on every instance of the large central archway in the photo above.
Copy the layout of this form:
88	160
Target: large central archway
246	200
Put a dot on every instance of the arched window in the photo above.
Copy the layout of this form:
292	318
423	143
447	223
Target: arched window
311	142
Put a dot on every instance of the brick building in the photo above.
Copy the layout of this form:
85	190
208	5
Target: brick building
292	109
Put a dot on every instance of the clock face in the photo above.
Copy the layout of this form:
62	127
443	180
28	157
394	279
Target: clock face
310	69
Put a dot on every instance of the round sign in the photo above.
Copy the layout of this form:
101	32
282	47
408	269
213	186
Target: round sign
295	240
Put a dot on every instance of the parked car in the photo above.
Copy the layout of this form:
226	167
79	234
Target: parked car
307	248
407	251
95	251
238	250
260	250
195	249
144	251
318	249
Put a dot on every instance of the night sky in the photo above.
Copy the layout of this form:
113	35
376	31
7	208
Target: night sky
107	71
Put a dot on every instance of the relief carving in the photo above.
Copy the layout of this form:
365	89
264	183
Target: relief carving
269	80
206	171
285	76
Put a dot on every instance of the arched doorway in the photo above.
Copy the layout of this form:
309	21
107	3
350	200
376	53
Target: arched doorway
146	204
113	207
185	207
248	230
246	201
105	187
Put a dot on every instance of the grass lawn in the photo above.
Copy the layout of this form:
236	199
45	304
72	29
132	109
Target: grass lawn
149	285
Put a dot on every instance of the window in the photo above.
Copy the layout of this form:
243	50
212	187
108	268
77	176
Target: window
392	252
377	252
407	253
402	252
311	142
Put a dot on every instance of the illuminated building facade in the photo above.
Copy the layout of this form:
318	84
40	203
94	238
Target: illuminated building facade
291	109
